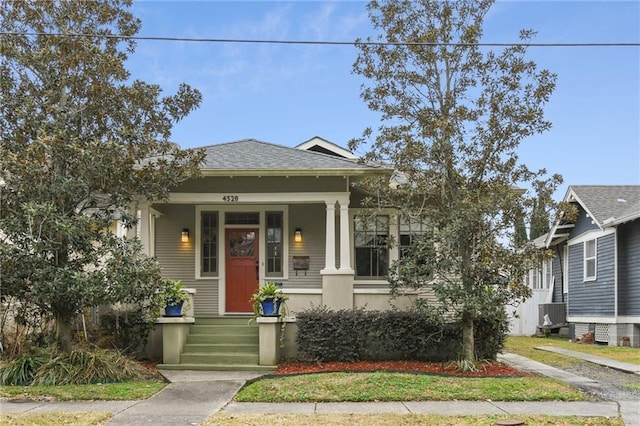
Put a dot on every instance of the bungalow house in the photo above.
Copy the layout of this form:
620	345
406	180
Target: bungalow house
595	270
264	212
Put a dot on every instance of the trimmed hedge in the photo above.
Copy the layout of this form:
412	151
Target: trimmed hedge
353	335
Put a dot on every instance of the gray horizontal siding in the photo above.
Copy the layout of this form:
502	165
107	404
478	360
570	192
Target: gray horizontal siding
264	184
311	219
629	268
177	259
592	298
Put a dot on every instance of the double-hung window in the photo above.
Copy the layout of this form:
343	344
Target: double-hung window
371	246
590	264
410	229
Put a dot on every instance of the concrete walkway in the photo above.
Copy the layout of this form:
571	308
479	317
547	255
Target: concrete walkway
193	396
626	367
629	410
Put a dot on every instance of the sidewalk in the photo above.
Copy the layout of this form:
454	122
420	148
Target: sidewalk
193	396
190	398
453	408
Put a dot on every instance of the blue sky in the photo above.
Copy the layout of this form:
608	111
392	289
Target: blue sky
287	94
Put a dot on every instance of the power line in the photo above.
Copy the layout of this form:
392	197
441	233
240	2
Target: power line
321	43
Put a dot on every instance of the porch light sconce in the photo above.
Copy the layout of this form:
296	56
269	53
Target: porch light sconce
297	236
185	235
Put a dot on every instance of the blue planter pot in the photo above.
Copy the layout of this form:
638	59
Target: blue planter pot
270	307
173	310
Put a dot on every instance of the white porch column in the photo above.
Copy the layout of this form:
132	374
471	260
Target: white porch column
345	239
330	239
337	285
144	227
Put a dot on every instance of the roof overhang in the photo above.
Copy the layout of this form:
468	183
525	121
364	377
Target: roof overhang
608	223
297	172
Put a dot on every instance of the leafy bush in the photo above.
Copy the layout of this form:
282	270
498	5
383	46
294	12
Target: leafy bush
352	335
324	334
76	367
126	330
21	370
83	367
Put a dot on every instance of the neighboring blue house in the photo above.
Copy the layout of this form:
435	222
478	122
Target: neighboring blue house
596	265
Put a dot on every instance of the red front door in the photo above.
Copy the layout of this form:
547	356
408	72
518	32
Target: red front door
242	270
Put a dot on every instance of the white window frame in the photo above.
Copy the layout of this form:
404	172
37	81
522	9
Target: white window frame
393	251
225	208
593	258
547	273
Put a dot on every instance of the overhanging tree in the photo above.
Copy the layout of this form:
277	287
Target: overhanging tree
452	117
81	145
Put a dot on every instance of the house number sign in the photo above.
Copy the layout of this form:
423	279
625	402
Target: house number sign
230	198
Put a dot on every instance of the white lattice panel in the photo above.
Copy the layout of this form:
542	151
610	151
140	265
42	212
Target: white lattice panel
581	330
602	333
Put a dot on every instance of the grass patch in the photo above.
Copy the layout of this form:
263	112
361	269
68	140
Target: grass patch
633	386
55	419
136	389
525	346
398	420
385	386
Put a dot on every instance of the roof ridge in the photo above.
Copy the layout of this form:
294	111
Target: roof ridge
333	157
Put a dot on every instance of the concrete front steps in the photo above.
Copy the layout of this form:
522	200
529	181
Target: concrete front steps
221	344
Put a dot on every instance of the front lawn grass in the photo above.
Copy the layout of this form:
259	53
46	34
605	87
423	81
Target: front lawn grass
399	420
525	346
387	386
55	419
135	389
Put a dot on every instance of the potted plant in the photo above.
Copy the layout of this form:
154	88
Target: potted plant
267	301
174	298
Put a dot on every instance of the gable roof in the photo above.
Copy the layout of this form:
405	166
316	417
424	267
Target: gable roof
250	157
606	205
319	144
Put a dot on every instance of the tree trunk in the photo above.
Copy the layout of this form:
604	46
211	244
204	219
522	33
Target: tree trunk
468	342
64	328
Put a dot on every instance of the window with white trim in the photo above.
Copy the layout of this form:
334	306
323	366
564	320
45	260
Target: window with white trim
410	229
209	244
371	246
540	278
275	248
590	254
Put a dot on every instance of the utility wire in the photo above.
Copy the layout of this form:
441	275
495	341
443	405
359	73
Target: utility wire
322	43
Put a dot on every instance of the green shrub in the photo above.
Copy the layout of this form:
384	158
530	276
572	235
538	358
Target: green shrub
352	335
127	330
21	370
76	367
84	367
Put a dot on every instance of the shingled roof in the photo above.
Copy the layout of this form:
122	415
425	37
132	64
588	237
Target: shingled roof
607	204
254	157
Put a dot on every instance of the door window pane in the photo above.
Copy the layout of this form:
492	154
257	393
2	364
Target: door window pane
242	218
242	243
